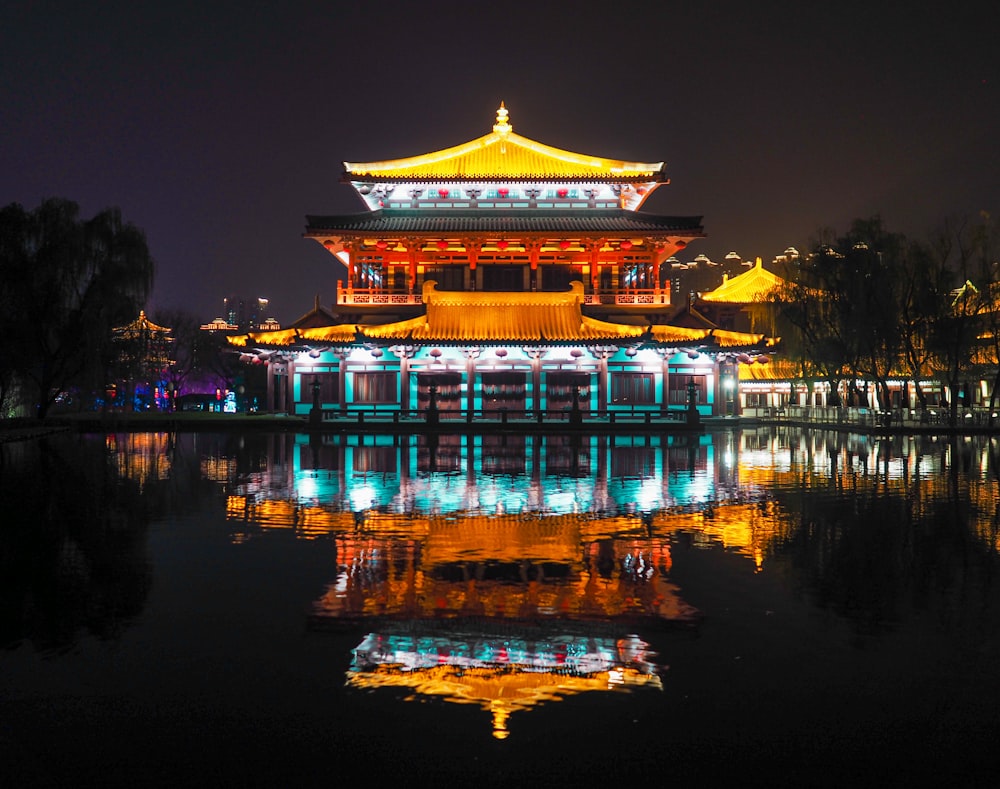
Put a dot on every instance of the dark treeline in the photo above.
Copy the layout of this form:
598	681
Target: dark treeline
68	286
873	305
65	283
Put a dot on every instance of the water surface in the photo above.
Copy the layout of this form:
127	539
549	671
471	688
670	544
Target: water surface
761	606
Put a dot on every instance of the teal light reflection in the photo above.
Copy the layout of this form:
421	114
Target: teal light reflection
512	475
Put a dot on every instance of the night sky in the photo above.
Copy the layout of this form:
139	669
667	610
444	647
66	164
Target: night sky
217	126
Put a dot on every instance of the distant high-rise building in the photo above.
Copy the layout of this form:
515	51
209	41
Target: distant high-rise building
248	314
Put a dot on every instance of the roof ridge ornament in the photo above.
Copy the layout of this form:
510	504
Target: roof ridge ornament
502	126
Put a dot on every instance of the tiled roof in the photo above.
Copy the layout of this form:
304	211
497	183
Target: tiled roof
718	338
280	337
751	286
341	333
345	333
454	316
671	334
735	339
317	316
456	221
505	155
503	317
772	370
690	318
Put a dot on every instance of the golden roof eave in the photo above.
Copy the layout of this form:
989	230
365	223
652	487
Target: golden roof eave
339	334
483	317
664	333
503	154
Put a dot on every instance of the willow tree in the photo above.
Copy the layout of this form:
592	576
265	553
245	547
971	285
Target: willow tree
964	335
875	259
66	283
984	234
865	305
810	325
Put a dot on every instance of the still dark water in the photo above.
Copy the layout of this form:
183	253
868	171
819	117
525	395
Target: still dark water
761	607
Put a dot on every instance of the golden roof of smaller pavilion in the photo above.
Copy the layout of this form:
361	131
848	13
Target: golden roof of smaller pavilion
735	339
772	370
459	316
503	154
751	286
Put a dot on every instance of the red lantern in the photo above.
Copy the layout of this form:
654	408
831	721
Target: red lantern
641	190
565	244
681	244
502	244
381	244
443	193
626	244
442	244
563	192
503	192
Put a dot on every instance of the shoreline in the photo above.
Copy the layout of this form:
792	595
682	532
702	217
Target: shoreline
22	429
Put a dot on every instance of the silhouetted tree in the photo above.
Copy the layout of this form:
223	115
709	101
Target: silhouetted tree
184	326
963	336
865	306
66	283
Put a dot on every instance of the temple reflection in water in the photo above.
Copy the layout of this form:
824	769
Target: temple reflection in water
834	593
508	570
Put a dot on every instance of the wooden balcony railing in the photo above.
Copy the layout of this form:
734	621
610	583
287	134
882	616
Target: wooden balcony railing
378	296
658	296
375	296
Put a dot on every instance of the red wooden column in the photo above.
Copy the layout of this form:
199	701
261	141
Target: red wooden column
472	246
532	248
349	249
411	257
655	252
595	269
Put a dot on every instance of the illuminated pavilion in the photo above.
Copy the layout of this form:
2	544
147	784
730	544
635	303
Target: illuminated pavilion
502	275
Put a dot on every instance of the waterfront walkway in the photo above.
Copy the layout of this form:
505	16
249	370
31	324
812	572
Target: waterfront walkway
394	421
930	420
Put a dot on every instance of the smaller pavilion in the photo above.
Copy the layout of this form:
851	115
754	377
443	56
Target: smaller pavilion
142	356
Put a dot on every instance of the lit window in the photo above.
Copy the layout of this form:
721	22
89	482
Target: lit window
377	387
633	389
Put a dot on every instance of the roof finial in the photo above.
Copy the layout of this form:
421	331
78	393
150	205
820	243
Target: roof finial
502	127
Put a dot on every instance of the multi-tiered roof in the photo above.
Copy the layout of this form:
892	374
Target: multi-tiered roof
502	185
